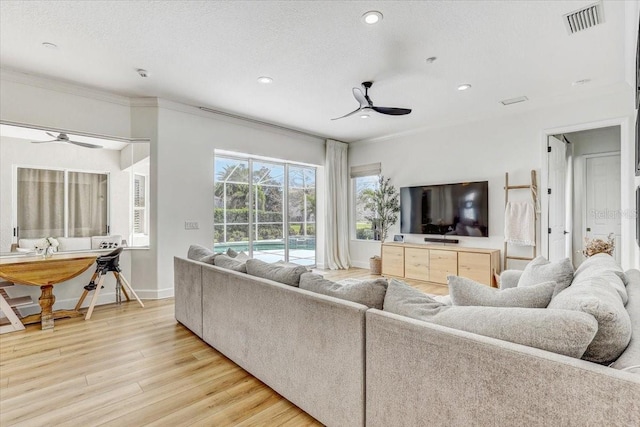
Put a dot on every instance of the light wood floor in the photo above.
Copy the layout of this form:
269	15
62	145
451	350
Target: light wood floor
129	366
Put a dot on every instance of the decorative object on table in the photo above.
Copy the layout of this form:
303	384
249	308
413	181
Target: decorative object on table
47	246
398	238
598	246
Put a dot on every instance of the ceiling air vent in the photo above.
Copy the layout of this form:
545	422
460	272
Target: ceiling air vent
514	100
584	18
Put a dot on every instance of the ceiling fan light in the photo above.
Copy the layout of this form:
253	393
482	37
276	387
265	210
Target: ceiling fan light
372	17
364	116
464	86
265	80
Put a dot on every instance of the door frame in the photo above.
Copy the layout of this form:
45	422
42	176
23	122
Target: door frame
626	181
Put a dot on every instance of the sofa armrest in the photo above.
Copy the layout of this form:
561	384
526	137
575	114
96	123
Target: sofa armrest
188	293
424	374
510	278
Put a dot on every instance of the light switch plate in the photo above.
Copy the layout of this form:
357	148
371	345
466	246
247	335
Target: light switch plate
191	225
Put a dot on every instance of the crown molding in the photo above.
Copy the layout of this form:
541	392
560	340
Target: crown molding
48	83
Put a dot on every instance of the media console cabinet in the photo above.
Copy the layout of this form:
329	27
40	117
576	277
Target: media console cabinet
433	263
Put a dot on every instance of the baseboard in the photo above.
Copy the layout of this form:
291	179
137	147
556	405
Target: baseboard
103	298
360	264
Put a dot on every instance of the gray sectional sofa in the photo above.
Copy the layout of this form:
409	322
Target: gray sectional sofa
347	364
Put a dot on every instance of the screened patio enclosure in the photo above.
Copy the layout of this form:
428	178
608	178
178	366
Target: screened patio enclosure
266	209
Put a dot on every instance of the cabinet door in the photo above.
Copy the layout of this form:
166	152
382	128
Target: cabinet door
393	260
475	267
416	264
442	264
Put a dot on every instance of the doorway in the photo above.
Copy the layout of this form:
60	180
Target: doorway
584	191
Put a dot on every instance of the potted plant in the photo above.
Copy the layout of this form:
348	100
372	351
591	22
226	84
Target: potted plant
384	206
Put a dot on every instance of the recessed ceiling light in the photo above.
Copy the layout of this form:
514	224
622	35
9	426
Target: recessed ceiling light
364	116
431	60
265	80
464	86
580	82
50	45
372	17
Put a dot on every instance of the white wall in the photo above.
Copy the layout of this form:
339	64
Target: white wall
184	152
478	151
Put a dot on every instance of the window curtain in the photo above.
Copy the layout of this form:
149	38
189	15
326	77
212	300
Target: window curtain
337	222
40	203
87	204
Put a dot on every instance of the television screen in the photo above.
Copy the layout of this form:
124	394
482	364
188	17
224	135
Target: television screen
449	209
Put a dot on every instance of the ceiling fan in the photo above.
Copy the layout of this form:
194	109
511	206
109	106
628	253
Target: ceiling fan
367	105
63	137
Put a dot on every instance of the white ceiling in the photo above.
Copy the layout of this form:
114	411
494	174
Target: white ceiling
27	135
211	53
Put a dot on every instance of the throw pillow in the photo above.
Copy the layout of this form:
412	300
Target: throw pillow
540	270
231	253
465	291
594	295
367	292
197	252
278	273
229	263
559	331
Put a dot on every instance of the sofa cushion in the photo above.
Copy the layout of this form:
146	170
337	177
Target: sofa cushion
595	296
278	273
74	244
367	292
197	252
229	263
510	278
630	358
605	267
540	270
560	331
465	291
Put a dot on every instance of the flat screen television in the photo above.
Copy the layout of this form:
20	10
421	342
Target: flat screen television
447	209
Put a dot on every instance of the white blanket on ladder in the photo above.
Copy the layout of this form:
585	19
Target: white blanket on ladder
520	224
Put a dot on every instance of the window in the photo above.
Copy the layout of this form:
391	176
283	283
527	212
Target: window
266	208
61	203
140	219
363	187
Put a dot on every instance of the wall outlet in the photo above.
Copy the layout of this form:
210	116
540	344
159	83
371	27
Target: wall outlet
191	225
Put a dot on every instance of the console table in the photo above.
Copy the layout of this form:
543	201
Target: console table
433	263
35	270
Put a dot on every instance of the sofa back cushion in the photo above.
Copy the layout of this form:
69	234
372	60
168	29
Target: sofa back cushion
595	295
276	272
229	263
560	331
367	292
74	244
605	267
540	270
630	358
465	291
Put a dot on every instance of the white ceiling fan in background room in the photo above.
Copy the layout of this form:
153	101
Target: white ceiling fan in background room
63	137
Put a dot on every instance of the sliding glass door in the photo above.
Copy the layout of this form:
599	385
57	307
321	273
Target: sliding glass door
265	208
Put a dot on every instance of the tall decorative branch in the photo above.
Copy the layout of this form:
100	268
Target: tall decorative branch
384	205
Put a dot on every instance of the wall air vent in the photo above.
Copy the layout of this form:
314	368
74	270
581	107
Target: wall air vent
514	100
584	18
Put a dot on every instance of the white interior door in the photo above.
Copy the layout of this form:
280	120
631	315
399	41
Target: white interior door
557	199
602	198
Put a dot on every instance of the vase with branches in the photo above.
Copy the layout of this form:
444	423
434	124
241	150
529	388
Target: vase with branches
383	205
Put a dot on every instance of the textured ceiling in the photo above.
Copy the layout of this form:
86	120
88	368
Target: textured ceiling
210	53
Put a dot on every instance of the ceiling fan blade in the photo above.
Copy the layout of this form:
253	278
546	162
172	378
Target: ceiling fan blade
352	113
357	93
84	144
42	142
392	111
52	135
